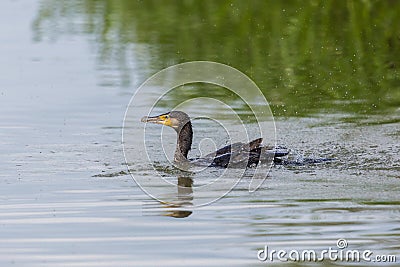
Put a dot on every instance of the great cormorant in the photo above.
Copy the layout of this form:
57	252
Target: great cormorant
237	154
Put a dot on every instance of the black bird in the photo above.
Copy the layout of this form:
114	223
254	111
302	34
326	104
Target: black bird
237	154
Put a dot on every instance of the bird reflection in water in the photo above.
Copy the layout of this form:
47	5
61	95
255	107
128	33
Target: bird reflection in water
185	198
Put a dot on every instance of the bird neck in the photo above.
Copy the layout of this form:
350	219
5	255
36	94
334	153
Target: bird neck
184	142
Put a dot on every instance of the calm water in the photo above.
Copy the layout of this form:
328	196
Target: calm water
69	68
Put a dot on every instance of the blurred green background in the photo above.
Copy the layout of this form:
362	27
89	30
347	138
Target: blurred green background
308	57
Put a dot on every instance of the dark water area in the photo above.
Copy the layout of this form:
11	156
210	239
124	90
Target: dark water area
329	70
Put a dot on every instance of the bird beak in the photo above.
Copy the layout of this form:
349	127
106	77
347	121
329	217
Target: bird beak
155	119
161	119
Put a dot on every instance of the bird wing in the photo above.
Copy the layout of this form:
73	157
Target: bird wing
237	147
236	154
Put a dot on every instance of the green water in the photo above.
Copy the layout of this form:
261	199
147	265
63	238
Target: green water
321	56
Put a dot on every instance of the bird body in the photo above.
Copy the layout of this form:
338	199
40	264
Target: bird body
236	155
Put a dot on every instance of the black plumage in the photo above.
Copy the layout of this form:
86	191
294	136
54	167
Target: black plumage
237	154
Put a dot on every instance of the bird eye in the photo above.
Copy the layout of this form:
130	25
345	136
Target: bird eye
167	116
